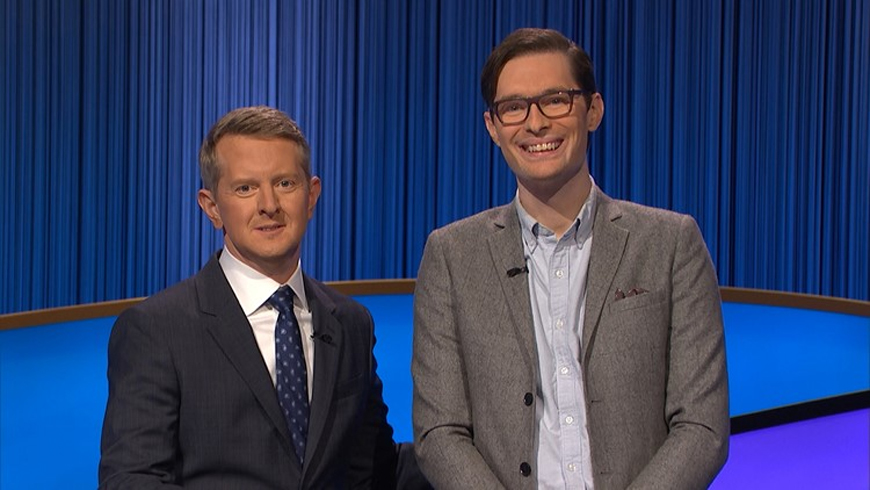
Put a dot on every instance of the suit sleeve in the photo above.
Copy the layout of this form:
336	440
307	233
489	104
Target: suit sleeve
696	406
443	427
373	457
139	439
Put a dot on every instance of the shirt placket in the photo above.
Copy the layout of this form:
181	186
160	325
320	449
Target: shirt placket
567	393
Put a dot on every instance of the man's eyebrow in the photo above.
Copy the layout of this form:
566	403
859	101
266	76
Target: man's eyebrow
547	91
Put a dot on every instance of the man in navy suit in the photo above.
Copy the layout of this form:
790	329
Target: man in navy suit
192	370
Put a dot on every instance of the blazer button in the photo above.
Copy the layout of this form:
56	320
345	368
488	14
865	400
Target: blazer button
525	469
528	399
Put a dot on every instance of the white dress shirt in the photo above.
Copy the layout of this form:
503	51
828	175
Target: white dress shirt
253	289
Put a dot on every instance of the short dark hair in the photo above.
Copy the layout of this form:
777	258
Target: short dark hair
258	121
532	41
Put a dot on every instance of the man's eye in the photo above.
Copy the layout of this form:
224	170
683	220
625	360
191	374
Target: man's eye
556	100
243	189
285	183
513	106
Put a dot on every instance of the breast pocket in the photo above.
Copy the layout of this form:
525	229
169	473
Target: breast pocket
636	325
637	301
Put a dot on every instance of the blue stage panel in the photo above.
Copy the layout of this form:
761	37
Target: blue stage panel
53	394
53	390
392	315
781	356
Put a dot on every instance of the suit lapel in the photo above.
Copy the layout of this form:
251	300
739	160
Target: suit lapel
228	325
506	246
608	247
326	363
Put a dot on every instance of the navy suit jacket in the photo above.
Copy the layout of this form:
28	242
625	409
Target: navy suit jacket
192	404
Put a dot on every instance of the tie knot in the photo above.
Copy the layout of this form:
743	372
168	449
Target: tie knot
282	300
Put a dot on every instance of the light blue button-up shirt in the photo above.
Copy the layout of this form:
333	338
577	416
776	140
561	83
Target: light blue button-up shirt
558	267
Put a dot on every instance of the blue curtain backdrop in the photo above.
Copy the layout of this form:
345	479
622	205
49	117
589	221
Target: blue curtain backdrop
751	115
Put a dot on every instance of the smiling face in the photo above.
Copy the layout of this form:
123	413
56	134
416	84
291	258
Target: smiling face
262	201
545	154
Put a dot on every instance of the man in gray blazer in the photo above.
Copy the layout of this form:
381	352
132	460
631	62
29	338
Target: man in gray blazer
565	340
251	374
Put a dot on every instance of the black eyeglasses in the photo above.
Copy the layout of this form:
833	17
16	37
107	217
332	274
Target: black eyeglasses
512	112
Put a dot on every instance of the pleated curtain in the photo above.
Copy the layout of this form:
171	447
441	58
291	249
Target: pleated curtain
753	116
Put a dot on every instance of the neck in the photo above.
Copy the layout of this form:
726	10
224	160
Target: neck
556	207
279	270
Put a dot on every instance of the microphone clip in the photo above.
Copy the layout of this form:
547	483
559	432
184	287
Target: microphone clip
517	271
323	337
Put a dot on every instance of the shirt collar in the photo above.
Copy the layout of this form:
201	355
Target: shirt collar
253	289
581	230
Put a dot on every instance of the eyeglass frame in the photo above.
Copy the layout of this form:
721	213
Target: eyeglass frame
536	101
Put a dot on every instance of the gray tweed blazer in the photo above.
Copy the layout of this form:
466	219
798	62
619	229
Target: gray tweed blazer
653	363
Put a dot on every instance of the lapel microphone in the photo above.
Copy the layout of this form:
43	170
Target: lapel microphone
517	271
323	337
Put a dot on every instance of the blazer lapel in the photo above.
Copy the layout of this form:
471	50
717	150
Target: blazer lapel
326	359
228	325
506	246
608	247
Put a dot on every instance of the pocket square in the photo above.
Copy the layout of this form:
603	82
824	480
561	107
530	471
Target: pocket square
631	292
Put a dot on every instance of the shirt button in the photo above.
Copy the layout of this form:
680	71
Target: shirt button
560	273
525	469
571	467
564	370
559	323
569	420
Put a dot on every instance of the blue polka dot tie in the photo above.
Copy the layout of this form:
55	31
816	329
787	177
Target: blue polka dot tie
291	375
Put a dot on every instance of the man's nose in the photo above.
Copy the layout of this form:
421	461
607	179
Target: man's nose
268	201
536	120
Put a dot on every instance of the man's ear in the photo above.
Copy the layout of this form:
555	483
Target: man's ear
595	113
313	194
208	205
490	126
